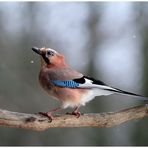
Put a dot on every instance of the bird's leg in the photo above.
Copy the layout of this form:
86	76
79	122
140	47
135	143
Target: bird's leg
75	112
49	113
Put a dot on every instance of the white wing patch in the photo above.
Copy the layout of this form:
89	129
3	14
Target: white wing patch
89	84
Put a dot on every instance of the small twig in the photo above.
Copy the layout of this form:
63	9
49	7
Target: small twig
40	123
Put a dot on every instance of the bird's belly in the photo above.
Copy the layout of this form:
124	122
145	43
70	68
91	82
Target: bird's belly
69	97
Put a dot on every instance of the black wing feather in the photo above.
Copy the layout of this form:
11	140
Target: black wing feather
94	81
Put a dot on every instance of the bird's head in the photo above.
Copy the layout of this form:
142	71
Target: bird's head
49	57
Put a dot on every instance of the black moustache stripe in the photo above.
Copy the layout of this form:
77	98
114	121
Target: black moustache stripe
45	59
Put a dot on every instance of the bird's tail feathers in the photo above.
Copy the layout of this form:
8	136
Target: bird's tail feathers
137	96
113	90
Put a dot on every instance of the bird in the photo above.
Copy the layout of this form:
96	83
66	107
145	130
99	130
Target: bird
71	88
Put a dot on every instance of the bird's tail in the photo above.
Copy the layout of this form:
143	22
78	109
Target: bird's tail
139	97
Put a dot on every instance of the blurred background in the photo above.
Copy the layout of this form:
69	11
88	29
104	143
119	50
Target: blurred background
106	40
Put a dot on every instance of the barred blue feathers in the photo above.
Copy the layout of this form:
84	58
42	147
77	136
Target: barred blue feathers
68	83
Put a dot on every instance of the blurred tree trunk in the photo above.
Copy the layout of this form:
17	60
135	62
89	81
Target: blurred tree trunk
94	37
92	48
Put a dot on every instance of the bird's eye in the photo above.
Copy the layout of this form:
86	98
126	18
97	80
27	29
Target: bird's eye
50	53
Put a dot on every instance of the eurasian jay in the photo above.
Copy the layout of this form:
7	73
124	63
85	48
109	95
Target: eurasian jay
70	87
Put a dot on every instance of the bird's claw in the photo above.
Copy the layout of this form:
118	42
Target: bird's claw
77	114
47	114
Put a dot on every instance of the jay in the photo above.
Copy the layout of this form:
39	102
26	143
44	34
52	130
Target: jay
70	87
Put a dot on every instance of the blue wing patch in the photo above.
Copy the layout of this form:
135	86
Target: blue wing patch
68	83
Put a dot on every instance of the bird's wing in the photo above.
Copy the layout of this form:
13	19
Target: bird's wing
63	74
86	82
83	82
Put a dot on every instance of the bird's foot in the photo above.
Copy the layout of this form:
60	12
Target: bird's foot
47	114
75	113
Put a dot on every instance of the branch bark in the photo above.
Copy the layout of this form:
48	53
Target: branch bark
101	120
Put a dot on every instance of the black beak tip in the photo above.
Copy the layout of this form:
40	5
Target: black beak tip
35	49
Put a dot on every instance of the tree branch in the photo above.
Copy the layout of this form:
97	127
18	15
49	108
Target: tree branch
40	123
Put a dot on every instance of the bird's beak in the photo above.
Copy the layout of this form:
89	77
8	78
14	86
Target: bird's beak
37	50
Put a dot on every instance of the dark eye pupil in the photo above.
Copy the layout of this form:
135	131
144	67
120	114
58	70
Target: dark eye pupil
50	53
